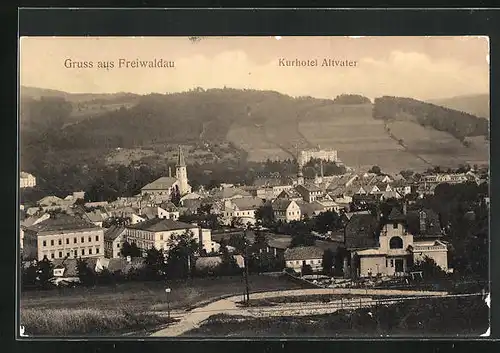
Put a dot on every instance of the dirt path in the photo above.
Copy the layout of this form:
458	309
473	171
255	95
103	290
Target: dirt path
196	317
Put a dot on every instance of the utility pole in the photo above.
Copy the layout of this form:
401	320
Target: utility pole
246	266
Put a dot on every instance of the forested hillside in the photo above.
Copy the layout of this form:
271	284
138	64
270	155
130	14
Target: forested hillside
458	124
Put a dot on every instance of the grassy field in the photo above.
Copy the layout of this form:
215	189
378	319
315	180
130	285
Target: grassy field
321	298
88	322
449	317
139	299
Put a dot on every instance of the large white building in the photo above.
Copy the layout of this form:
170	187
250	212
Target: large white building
63	236
157	232
329	155
26	180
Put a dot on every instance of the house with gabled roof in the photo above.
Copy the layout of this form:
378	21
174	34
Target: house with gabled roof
286	210
243	209
114	237
296	258
290	194
309	192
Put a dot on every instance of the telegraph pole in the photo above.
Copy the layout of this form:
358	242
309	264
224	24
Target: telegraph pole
247	289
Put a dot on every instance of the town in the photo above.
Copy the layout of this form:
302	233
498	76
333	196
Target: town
360	229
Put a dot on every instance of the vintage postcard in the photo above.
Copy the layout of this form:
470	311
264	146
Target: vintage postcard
254	187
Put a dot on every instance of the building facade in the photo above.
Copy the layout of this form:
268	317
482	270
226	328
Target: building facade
157	232
26	180
63	236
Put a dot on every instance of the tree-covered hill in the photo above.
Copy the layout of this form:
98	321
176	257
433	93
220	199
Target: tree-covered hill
476	104
456	123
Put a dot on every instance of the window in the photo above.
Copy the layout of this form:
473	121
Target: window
395	226
67	240
67	254
97	250
96	238
392	263
60	243
52	243
90	239
161	236
82	239
90	251
118	245
396	243
52	255
60	253
74	240
83	251
44	243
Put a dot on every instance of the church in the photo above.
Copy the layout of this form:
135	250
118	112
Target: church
167	185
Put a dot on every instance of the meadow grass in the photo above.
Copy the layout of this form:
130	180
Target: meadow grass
86	322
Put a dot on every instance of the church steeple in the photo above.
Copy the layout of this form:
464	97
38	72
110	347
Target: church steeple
181	174
180	160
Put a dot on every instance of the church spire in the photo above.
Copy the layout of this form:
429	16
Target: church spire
180	160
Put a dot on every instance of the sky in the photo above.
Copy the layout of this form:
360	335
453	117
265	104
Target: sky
417	67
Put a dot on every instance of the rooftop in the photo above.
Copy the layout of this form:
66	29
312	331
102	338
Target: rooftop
163	183
161	225
113	232
62	222
303	253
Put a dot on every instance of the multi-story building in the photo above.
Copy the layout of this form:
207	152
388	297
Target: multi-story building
114	238
286	210
329	155
26	180
62	236
157	232
242	209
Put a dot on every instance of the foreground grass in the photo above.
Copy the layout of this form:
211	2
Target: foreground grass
143	296
444	317
129	306
87	322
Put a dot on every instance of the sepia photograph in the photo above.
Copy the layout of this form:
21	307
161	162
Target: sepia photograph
263	187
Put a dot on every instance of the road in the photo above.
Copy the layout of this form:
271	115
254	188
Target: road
196	317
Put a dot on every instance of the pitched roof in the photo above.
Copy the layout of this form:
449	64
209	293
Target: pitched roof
279	242
310	208
163	183
62	222
227	193
361	231
49	200
281	204
70	265
113	232
291	193
96	216
161	225
248	203
303	253
122	265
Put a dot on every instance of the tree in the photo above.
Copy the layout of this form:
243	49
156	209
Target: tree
228	265
44	272
130	250
155	264
429	268
213	184
265	215
375	169
180	259
238	242
29	275
328	262
85	273
326	221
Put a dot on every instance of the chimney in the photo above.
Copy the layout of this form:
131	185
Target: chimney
169	172
404	208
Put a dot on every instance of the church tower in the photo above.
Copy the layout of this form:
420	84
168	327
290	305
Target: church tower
300	177
181	173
